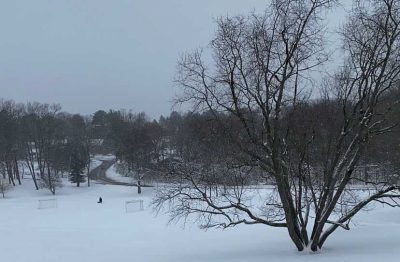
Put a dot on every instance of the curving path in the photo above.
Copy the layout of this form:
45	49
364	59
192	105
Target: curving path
99	174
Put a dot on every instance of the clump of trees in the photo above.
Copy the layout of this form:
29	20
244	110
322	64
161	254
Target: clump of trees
137	143
47	143
9	143
44	140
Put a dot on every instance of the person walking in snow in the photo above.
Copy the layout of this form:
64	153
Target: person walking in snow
100	200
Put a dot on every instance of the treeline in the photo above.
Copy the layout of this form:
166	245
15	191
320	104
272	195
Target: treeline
216	143
43	140
48	143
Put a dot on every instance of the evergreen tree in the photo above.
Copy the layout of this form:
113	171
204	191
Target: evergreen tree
77	165
77	151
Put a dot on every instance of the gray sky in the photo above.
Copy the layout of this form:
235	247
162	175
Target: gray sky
103	54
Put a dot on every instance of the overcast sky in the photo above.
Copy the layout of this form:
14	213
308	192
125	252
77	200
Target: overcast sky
103	54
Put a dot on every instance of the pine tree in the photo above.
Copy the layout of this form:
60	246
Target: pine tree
77	166
77	151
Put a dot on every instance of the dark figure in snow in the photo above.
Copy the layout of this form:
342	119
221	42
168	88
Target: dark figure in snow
100	200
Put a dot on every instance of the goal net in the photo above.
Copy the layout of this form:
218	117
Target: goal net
47	203
134	206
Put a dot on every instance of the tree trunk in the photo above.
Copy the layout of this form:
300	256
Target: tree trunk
10	173
16	170
51	186
29	162
289	209
139	187
88	174
35	181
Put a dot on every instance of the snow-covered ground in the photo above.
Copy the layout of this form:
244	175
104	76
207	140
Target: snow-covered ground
82	230
114	175
95	163
104	157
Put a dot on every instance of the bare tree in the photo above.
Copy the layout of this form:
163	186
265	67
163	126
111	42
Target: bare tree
138	145
4	186
42	133
259	80
88	142
10	139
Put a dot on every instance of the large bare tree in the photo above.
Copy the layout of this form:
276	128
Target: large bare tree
257	88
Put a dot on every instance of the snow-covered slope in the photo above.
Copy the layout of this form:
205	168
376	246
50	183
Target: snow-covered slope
82	230
114	175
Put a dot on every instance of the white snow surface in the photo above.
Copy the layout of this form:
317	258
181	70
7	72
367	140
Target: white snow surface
114	175
82	230
104	157
95	163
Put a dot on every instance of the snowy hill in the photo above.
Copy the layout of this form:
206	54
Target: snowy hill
79	229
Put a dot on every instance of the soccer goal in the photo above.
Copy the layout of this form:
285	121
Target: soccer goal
47	203
134	206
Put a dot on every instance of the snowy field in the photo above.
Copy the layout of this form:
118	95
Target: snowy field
82	230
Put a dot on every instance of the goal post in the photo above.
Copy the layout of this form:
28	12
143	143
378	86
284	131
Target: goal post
134	206
47	203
